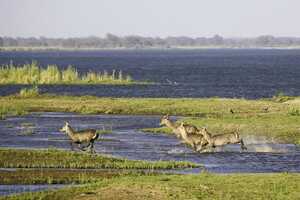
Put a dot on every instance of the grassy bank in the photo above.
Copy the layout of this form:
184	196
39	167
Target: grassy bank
202	186
62	176
277	118
14	158
35	74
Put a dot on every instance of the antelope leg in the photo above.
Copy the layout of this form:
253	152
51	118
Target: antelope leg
243	147
84	148
72	148
92	148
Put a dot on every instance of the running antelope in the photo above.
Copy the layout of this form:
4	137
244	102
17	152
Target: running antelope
221	139
194	139
83	136
165	120
191	131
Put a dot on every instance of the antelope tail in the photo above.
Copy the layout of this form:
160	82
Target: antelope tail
95	136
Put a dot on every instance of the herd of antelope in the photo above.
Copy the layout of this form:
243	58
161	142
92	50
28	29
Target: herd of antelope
198	138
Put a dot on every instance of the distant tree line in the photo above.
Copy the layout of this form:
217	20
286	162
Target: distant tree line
114	41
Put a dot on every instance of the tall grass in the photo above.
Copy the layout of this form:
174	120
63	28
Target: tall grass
29	92
34	74
15	109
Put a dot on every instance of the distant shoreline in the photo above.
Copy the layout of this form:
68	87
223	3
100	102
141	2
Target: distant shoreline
8	49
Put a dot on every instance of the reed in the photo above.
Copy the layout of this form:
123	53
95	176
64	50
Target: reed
34	74
29	92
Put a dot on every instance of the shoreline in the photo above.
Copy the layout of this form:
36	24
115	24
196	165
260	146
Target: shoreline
46	49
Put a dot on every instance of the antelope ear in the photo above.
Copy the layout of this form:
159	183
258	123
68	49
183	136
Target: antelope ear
167	116
67	123
182	124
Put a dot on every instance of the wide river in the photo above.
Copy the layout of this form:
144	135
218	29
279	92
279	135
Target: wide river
178	73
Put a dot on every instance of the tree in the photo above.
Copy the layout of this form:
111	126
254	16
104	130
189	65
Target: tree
1	42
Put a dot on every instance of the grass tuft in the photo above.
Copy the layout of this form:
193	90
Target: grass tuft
29	92
294	112
34	74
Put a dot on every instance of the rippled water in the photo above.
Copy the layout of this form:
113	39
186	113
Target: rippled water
40	130
13	189
178	73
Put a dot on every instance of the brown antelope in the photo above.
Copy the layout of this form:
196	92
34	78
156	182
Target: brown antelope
194	139
190	130
83	136
165	120
221	139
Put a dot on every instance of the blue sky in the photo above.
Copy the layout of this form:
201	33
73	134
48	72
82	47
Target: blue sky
76	18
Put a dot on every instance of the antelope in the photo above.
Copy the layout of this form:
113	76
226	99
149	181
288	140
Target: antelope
82	136
165	120
194	139
221	139
190	130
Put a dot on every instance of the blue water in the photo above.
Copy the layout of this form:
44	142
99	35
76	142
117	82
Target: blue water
127	141
179	73
14	189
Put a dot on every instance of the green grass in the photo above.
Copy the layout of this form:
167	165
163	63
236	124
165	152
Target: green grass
34	74
103	132
280	122
10	109
61	176
12	158
29	92
182	187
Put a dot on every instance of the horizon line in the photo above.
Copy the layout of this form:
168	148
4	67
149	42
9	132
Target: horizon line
143	36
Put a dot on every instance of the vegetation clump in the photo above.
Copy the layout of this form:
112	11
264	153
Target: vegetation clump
7	110
13	158
295	112
29	92
34	74
281	97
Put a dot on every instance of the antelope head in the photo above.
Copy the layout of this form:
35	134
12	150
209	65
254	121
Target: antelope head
164	120
65	127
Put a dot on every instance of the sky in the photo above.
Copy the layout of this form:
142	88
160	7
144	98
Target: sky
162	18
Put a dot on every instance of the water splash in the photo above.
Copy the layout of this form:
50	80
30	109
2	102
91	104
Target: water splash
177	151
266	145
